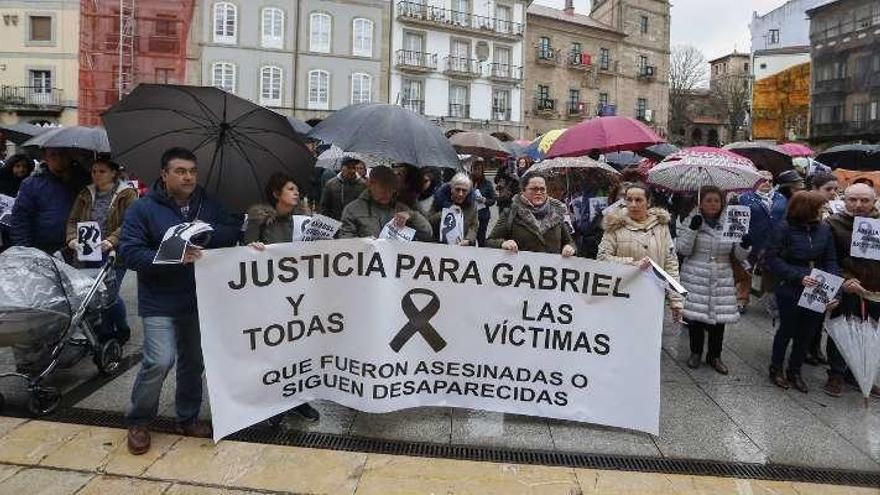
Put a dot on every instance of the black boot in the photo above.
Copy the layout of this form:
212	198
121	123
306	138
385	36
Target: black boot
693	362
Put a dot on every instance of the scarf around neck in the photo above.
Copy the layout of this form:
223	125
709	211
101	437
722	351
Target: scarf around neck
543	217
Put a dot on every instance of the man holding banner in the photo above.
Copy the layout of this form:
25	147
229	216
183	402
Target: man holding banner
166	294
376	206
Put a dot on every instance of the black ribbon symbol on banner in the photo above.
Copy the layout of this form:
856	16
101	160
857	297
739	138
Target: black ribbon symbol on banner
419	321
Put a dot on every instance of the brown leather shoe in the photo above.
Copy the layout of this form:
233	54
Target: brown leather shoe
778	379
138	439
834	386
718	365
194	429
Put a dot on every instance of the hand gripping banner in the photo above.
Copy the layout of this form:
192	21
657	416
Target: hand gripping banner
379	325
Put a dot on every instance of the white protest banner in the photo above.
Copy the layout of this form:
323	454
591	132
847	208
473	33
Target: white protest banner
88	241
866	238
597	204
175	241
314	228
6	204
735	222
380	326
816	298
451	225
395	233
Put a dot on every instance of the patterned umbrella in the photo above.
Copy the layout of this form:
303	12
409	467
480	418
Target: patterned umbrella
692	168
581	162
604	134
859	342
539	147
796	149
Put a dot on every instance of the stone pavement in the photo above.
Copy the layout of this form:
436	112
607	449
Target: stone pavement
735	418
43	458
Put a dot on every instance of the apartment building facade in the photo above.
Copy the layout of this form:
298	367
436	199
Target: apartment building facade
460	63
570	69
845	57
39	68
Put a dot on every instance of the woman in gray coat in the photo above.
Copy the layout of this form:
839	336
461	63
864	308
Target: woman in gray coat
707	274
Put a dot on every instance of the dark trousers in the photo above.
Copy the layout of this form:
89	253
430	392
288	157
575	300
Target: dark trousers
850	305
797	325
483	217
697	331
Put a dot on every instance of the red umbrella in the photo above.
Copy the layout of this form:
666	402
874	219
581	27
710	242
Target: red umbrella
604	134
796	149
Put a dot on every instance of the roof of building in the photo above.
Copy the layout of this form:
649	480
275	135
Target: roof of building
729	55
816	10
788	50
574	18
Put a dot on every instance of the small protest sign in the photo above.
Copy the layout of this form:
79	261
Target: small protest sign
735	222
451	225
176	240
393	232
665	278
597	204
88	241
816	298
314	228
866	238
6	203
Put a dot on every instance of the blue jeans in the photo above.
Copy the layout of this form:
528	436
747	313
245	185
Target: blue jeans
168	338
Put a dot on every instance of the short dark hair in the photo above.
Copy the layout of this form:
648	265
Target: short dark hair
383	176
706	190
804	207
177	153
276	184
639	185
107	161
864	180
528	176
819	179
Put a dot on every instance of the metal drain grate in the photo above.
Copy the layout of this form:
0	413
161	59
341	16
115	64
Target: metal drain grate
277	436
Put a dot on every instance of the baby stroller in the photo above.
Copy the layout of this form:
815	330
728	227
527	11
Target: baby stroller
46	305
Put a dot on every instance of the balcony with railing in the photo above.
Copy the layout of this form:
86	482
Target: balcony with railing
544	105
418	13
459	110
32	98
839	85
502	114
417	106
852	128
412	61
546	55
505	73
462	67
576	110
647	72
579	61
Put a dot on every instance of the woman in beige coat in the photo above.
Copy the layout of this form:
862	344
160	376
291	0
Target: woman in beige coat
637	233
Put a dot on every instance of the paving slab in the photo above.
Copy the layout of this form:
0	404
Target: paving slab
422	424
36	481
570	436
493	429
103	485
786	431
335	418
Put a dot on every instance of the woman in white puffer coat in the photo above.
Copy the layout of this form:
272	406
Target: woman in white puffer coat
707	274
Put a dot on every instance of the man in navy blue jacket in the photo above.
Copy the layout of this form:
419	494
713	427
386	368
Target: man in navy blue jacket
39	217
167	294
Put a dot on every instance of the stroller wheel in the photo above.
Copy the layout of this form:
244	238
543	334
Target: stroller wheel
44	400
108	357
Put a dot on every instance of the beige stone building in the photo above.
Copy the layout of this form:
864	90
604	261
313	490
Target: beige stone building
611	62
39	70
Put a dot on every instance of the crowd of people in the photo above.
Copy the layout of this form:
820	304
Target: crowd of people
792	231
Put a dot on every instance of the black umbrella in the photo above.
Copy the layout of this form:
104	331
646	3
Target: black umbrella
238	144
622	159
21	132
658	152
765	156
388	131
851	157
299	126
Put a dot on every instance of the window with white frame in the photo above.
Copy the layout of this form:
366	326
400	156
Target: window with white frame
273	28
270	86
362	39
361	88
223	76
225	22
319	90
319	32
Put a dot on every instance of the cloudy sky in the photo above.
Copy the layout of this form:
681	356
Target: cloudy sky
714	26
